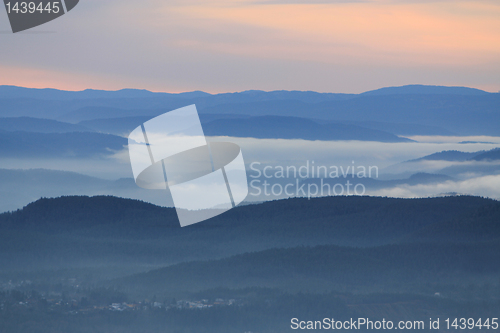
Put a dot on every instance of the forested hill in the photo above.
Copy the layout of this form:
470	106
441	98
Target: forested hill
71	213
344	219
328	243
340	218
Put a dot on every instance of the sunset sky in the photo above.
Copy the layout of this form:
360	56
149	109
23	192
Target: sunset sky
224	46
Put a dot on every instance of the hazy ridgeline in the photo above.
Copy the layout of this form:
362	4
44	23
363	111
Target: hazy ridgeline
383	113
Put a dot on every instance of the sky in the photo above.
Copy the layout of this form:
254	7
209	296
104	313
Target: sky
226	46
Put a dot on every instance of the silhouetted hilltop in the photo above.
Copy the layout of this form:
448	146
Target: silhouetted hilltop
447	155
419	89
491	155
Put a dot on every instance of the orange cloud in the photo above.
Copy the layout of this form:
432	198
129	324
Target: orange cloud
436	33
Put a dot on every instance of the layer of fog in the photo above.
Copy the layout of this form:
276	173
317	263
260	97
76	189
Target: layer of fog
476	178
487	186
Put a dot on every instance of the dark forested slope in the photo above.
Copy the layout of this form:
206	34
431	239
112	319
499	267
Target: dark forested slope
111	230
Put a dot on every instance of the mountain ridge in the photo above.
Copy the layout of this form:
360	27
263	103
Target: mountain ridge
463	113
427	89
316	269
66	144
460	156
12	91
333	218
39	125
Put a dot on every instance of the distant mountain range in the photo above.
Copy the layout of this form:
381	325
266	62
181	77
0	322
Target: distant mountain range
306	96
37	125
451	163
459	110
269	127
123	126
459	156
462	114
61	95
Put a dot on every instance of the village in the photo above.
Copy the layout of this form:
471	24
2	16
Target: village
79	300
